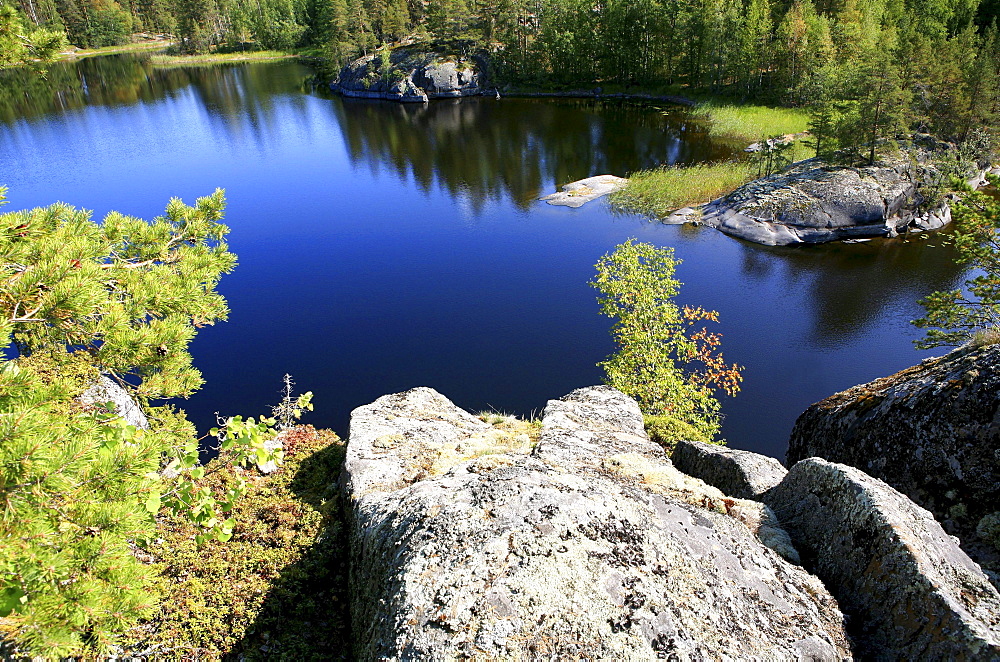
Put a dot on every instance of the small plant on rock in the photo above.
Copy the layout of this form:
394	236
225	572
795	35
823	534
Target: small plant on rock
671	368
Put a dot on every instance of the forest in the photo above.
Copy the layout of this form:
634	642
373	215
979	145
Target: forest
932	63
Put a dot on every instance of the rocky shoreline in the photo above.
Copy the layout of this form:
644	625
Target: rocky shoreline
810	202
588	541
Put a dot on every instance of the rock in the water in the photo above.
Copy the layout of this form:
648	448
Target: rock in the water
576	194
911	592
738	473
467	543
931	431
107	390
813	202
408	75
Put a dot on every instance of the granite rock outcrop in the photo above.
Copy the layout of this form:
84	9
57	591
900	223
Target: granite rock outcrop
738	473
813	202
410	76
583	543
931	431
909	590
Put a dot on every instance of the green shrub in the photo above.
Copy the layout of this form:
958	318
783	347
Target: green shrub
667	431
671	368
79	486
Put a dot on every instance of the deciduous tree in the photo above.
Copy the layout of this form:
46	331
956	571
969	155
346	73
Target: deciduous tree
664	362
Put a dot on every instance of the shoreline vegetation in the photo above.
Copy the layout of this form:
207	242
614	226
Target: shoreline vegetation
169	60
161	56
659	191
656	192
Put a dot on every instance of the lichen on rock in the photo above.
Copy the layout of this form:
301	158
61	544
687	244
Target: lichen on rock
590	546
410	75
931	431
911	592
738	473
814	202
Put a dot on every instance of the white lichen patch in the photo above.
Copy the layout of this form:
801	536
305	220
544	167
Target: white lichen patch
665	479
490	442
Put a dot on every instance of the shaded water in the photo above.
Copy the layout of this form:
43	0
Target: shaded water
383	247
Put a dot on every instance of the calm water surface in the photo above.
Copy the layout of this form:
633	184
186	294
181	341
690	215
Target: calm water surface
383	247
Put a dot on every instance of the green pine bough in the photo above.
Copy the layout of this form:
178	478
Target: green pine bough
80	488
670	367
971	313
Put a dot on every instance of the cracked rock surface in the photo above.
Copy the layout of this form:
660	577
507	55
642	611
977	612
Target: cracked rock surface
469	544
931	431
910	592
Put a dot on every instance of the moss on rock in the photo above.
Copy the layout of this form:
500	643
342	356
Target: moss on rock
276	590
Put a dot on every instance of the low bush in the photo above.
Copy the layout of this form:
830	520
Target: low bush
277	589
668	430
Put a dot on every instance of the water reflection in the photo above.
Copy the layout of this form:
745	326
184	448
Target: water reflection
850	286
489	149
228	91
479	149
361	273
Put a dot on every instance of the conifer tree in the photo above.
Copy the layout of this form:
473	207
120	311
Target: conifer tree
972	312
78	486
20	44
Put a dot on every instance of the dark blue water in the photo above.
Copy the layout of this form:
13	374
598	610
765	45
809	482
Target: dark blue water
384	247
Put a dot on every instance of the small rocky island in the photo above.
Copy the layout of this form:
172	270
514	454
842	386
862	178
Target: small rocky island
576	194
583	539
411	75
815	202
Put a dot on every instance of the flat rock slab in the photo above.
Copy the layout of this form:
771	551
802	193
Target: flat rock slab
588	546
910	590
578	193
738	473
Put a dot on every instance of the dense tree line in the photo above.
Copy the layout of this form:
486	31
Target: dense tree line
874	66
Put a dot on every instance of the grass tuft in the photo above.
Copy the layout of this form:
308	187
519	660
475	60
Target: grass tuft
984	337
658	192
750	123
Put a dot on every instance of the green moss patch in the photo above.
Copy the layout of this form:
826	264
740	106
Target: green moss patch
277	589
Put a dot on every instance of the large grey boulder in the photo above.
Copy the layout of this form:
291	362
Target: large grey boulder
931	431
468	542
410	76
738	473
813	202
911	592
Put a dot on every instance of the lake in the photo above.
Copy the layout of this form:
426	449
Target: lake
383	247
